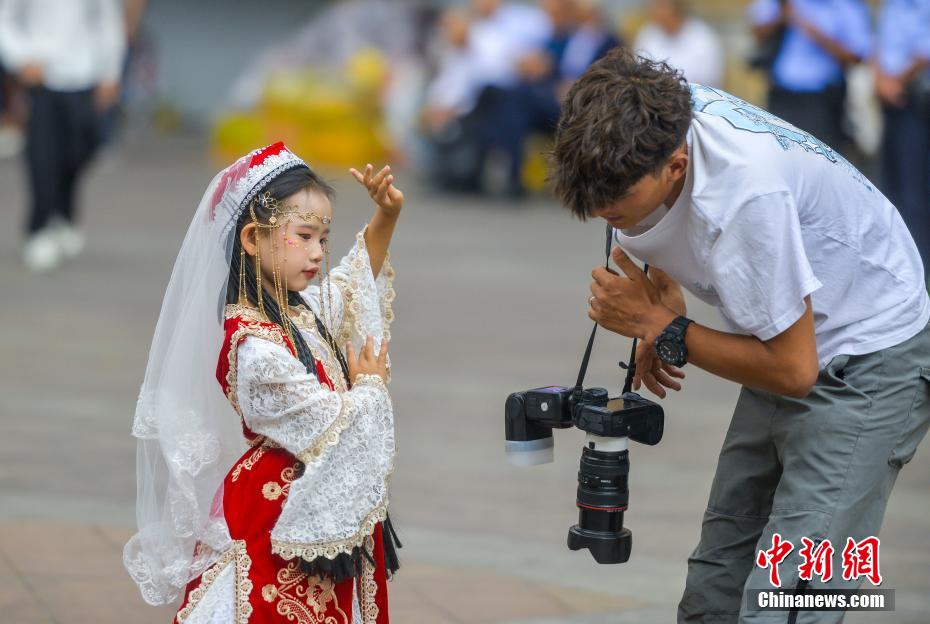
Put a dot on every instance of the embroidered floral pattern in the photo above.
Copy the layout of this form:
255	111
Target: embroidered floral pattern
303	599
248	463
274	490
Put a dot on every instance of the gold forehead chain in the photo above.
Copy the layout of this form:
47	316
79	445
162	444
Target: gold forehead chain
269	203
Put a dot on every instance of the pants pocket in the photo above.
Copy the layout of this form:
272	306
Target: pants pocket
916	423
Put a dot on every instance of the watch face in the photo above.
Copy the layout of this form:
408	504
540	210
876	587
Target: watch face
669	351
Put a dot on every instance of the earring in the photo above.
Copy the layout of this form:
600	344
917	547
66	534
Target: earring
258	278
241	275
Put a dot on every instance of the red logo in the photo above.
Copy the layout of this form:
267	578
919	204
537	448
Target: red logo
859	559
816	560
773	557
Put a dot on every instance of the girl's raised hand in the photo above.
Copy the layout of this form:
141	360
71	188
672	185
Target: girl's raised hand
367	362
381	188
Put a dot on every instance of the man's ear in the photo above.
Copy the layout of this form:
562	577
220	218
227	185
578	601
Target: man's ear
678	163
248	237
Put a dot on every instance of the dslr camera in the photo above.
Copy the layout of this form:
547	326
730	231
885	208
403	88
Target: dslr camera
609	423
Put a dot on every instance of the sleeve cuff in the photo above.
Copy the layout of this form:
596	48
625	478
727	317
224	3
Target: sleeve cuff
369	380
791	316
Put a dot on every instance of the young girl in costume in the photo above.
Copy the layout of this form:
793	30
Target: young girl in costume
263	498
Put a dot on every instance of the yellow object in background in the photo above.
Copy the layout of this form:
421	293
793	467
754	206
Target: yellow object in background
536	164
329	121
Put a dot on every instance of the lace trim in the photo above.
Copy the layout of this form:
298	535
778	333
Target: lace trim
368	588
306	320
330	437
331	550
369	380
249	328
237	553
351	303
387	298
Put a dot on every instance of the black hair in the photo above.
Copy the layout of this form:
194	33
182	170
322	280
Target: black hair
283	186
620	122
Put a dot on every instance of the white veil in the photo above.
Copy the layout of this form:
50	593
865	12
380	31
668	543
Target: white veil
188	434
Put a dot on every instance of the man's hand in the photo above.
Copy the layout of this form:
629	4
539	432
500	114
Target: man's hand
381	189
652	372
630	306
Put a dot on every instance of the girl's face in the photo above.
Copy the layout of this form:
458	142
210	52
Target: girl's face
299	245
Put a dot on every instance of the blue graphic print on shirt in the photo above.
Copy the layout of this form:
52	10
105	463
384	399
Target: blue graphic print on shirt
744	116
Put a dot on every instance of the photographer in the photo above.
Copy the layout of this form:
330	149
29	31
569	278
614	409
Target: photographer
817	280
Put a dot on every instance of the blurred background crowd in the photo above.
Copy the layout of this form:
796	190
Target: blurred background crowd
465	93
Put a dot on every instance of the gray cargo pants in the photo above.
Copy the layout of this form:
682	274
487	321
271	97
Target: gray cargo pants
821	467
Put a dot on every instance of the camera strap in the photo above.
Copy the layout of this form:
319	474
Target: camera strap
631	366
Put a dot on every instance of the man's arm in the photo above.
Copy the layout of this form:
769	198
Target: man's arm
670	291
787	364
632	306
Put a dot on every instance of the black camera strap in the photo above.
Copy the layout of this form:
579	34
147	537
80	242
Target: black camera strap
631	366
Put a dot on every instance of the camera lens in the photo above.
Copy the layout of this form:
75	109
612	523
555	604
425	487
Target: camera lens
603	496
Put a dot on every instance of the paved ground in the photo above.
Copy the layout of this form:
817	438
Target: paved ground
491	299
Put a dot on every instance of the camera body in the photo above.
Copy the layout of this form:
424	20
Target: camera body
530	417
609	423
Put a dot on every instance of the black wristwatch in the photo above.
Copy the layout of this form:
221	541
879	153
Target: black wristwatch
670	345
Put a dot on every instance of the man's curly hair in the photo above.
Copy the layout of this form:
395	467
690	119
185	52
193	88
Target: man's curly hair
620	122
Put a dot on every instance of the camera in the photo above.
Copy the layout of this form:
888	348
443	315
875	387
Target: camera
609	423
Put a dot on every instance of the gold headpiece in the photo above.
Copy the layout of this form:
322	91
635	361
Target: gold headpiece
272	205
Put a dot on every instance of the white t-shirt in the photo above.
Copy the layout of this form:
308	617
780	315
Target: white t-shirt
695	49
769	215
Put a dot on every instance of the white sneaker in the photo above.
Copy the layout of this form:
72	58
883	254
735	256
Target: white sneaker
70	240
42	253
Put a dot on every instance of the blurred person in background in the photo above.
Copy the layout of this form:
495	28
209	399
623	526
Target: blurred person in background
579	37
479	53
501	34
819	39
451	93
68	55
902	83
683	41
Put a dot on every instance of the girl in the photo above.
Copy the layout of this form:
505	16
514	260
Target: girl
291	526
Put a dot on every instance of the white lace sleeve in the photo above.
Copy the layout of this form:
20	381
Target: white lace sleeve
283	402
346	441
358	304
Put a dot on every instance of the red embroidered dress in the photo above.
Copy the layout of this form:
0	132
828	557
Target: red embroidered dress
325	449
